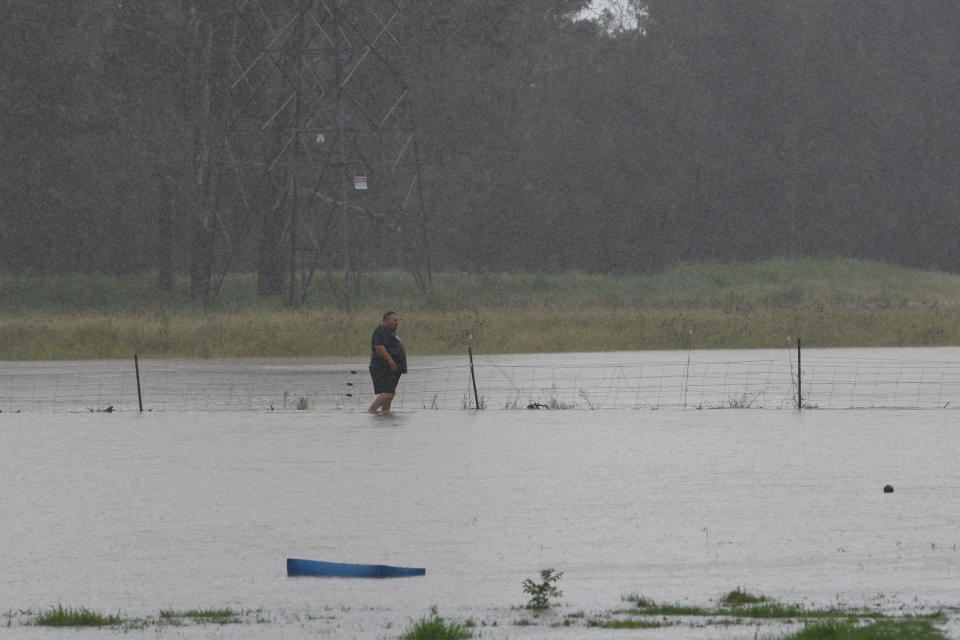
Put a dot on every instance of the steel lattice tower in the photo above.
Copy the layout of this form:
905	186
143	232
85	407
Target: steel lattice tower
320	152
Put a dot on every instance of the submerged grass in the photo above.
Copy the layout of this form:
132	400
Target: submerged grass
734	608
743	604
628	623
829	302
739	605
434	627
61	616
740	597
215	616
761	609
904	629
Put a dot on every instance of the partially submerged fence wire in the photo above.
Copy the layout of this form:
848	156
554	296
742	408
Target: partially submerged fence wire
843	379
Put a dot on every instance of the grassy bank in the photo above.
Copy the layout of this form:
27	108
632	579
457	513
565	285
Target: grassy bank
830	303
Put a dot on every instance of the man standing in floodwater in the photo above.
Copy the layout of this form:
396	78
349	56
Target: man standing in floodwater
388	361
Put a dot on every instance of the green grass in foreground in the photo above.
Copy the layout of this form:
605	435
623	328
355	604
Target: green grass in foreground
434	627
880	630
61	616
828	302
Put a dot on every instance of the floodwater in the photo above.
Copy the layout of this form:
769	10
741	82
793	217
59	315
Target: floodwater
182	510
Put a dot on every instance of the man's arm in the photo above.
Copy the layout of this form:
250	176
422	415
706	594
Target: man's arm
382	351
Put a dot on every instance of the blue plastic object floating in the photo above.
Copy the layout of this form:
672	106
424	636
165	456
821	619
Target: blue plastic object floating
299	567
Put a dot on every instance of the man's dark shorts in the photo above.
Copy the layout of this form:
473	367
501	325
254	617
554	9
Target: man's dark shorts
384	380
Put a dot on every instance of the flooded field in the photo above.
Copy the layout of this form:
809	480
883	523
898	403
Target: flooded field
186	510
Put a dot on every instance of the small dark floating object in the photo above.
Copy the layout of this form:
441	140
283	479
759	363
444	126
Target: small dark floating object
537	405
888	488
353	371
298	567
108	409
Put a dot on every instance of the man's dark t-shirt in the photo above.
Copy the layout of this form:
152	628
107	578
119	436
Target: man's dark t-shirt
388	338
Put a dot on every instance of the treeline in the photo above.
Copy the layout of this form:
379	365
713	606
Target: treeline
693	130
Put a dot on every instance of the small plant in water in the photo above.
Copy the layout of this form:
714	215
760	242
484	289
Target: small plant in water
469	401
542	592
739	597
744	401
433	627
554	401
639	601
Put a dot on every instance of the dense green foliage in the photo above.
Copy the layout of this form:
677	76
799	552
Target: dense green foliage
699	131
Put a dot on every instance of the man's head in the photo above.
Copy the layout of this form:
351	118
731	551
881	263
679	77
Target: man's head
390	319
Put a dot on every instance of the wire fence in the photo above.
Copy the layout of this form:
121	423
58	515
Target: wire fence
848	379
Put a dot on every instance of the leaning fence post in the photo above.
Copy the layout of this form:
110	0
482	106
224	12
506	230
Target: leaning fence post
136	366
799	382
473	377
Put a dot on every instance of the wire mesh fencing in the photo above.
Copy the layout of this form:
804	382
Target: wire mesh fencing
767	379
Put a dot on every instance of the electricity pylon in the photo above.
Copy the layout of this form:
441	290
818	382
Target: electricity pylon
321	160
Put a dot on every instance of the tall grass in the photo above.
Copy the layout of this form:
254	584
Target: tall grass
61	616
830	303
